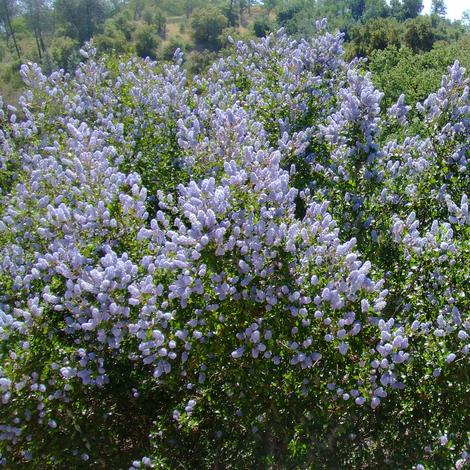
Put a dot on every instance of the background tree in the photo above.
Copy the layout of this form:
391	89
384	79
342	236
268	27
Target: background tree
37	14
7	7
419	35
112	39
411	8
376	34
138	8
243	6
123	23
466	19
64	52
147	15
231	13
207	25
85	17
438	7
358	8
262	26
395	6
270	5
406	9
159	20
191	5
376	9
146	42
287	16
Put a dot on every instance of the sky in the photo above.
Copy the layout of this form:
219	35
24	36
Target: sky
455	8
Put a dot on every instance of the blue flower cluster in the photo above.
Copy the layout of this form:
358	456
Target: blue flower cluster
265	223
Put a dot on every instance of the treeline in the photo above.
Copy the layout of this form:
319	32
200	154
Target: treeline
44	30
51	32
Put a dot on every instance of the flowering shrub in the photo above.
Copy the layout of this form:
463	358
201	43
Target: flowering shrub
260	266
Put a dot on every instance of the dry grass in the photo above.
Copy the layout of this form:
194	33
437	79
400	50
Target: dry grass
174	29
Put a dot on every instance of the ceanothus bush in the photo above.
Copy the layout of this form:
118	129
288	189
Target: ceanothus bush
258	266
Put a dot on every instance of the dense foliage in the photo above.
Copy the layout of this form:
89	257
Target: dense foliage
259	267
51	33
400	71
